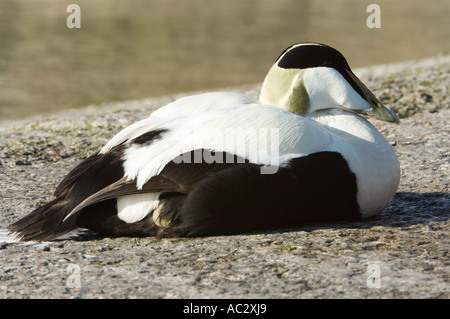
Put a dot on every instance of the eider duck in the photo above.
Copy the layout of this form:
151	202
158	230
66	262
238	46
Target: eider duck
226	163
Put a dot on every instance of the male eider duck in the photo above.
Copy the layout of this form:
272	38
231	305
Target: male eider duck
226	163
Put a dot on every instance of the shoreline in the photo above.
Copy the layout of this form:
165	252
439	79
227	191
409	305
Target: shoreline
364	73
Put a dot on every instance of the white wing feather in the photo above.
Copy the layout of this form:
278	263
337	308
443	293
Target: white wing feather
184	107
219	130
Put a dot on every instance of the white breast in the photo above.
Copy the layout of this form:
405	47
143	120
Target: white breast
369	155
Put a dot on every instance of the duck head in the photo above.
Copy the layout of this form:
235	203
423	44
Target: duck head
310	77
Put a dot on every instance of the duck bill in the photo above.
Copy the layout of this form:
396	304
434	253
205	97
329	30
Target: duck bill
376	109
380	112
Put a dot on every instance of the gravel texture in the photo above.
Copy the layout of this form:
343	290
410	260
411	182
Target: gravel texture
403	253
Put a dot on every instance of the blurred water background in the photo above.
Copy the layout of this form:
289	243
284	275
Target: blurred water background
135	49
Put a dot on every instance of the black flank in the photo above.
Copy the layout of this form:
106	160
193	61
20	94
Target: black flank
317	187
102	216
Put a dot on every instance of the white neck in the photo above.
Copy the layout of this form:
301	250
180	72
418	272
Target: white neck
343	122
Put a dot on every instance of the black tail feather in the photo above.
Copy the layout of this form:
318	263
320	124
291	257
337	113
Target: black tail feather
44	223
